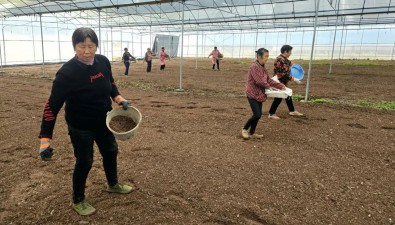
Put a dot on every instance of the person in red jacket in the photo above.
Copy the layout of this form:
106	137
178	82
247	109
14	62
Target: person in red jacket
257	81
86	85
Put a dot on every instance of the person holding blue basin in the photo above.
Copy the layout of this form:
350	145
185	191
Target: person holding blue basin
283	67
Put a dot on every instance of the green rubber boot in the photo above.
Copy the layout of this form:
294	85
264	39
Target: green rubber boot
120	188
84	208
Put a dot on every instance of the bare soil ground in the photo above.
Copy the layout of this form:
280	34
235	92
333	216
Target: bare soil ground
335	165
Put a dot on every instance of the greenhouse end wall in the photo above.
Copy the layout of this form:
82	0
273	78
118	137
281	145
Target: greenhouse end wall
23	45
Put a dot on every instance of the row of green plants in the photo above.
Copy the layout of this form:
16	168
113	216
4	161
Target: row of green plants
142	85
305	63
382	104
348	63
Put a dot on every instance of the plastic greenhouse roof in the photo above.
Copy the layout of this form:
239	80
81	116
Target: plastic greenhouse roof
203	15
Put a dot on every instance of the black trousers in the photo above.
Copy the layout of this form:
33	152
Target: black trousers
82	141
256	108
276	103
149	65
162	67
127	64
217	61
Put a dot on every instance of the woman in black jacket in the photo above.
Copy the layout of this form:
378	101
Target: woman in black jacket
86	85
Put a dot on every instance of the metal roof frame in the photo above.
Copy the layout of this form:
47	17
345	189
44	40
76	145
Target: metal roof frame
204	15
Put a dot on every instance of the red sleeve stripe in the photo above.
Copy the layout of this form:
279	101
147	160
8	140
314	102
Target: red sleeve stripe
48	114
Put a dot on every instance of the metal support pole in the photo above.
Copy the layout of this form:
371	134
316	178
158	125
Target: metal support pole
377	43
240	44
57	25
360	46
329	46
301	51
223	44
132	42
34	46
333	50
107	44
197	48
265	40
278	37
99	33
203	37
344	46
182	47
1	56
334	38
112	46
286	36
341	43
4	53
42	44
150	38
393	51
1	60
256	37
317	4
141	44
233	42
188	45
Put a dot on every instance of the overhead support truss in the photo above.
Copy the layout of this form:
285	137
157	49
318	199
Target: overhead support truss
210	15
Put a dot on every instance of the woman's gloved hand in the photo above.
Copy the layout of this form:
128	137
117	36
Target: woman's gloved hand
121	102
125	105
45	151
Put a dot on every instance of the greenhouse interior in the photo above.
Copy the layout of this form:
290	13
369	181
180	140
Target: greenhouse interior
298	133
41	30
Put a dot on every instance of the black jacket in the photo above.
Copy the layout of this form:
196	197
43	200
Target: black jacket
87	90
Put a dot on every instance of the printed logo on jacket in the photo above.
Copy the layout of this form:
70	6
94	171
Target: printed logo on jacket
94	77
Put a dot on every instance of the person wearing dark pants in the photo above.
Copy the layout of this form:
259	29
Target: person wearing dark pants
256	108
149	66
276	103
148	59
217	62
127	65
162	58
86	86
162	67
82	141
282	73
126	57
257	81
216	55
